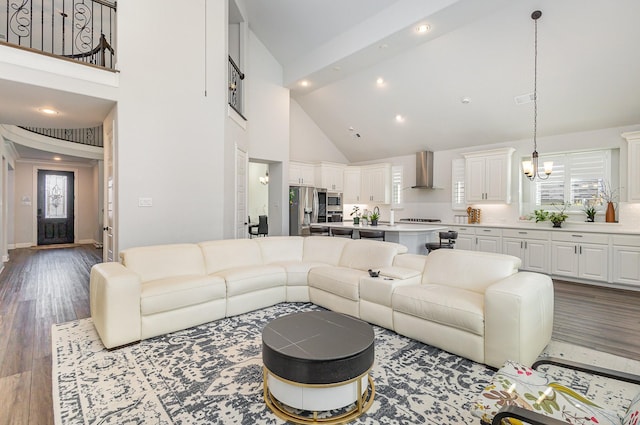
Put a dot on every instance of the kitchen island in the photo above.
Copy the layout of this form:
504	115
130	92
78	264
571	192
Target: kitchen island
413	236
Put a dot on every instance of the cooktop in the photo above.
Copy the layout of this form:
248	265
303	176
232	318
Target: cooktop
421	220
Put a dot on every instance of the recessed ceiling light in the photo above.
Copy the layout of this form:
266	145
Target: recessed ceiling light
304	83
399	118
57	158
465	100
380	81
48	111
423	28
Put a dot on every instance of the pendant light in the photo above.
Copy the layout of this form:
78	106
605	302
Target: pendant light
530	168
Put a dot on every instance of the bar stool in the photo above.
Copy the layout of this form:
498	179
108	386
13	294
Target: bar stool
449	238
371	234
338	231
319	231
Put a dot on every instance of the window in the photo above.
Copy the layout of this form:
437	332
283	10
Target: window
577	179
457	184
56	190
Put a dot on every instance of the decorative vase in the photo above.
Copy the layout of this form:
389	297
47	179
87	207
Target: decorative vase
356	221
557	224
610	216
374	222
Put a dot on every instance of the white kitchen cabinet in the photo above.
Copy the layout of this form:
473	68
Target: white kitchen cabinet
331	176
302	174
351	186
581	255
488	240
478	238
633	165
626	259
466	237
375	184
488	176
531	246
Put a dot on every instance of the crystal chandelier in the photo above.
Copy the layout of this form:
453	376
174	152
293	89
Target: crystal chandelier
530	168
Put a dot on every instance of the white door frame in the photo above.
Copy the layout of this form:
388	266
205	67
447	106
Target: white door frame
240	222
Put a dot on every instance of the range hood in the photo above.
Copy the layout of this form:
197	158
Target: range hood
424	170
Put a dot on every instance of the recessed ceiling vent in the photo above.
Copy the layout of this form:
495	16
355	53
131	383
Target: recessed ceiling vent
424	170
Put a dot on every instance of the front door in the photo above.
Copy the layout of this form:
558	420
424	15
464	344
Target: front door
55	207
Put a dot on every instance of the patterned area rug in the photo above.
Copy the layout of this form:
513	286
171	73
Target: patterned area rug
213	374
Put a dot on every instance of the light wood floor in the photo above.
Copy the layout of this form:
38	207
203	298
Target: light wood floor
41	287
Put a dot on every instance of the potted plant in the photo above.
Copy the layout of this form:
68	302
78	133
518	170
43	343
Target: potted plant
355	213
375	215
590	211
558	217
539	215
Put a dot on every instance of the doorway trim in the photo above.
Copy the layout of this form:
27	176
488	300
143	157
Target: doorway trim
34	203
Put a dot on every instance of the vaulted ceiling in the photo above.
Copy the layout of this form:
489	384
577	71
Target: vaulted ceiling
455	84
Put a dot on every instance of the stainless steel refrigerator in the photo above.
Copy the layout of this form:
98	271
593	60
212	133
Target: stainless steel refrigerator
307	205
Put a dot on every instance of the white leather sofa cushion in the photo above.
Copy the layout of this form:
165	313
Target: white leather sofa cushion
247	279
395	272
297	272
325	250
410	261
470	270
161	261
230	254
367	254
454	307
278	249
178	292
379	290
340	281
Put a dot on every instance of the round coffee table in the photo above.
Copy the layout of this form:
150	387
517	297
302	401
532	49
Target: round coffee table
318	361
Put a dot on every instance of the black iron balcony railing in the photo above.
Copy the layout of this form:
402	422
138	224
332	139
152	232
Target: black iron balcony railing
83	30
85	136
235	87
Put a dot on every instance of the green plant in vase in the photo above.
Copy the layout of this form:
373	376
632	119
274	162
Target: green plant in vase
355	213
590	211
558	217
375	215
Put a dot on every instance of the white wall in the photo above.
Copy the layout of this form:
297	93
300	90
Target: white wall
171	122
25	201
436	203
308	142
268	109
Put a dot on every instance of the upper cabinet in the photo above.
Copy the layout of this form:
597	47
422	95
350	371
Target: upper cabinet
488	176
351	193
301	174
331	176
375	183
633	165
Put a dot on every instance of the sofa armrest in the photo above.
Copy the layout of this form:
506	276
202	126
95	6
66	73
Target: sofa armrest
518	318
115	303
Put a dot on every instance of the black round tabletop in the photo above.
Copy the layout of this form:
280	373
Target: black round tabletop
317	347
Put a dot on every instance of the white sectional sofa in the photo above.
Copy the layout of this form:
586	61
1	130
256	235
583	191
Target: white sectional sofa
472	304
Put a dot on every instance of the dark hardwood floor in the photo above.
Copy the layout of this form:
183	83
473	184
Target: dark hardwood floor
41	287
38	287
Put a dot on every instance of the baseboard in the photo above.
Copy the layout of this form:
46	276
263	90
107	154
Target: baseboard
24	245
86	241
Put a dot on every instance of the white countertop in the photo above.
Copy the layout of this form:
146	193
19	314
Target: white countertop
567	226
398	227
